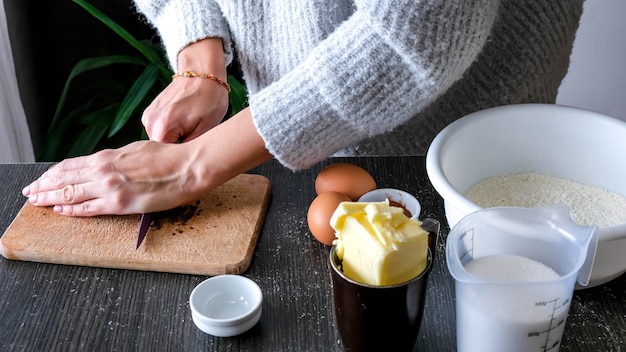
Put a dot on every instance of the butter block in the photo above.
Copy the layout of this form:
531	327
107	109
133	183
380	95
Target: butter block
378	244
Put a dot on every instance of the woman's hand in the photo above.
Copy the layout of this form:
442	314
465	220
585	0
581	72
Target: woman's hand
190	106
143	176
185	109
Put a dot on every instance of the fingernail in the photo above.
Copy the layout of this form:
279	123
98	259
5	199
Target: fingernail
58	208
33	199
26	191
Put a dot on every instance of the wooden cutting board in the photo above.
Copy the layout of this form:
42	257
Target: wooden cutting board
214	235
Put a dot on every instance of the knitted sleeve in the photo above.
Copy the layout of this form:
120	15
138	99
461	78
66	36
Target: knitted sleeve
388	61
180	23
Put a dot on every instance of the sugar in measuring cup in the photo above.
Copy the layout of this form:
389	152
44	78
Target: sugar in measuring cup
524	309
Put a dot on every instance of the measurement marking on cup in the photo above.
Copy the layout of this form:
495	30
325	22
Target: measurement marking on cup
555	322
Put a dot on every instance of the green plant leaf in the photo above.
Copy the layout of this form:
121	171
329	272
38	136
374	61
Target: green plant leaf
96	124
135	96
57	142
89	64
238	97
142	48
165	70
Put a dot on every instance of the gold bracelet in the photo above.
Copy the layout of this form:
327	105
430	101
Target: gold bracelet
202	75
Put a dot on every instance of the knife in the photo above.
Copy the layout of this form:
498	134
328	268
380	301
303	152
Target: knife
144	226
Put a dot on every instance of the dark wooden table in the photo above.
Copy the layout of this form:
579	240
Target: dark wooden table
47	307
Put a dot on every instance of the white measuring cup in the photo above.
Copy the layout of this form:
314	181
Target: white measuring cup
518	315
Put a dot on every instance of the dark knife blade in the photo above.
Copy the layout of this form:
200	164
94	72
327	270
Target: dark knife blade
144	225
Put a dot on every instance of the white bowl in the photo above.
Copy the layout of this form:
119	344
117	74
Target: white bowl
407	200
573	143
226	305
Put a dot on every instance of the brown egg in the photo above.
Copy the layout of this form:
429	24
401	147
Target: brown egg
319	214
349	179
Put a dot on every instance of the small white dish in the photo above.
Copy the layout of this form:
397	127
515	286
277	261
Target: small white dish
226	305
405	199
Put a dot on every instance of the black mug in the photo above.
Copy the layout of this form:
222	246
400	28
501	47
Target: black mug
376	318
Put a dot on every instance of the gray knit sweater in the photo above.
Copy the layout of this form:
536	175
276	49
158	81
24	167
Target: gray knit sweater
375	77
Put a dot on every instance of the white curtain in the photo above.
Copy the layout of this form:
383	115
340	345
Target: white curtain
15	142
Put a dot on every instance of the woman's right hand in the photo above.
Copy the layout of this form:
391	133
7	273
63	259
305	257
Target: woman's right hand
190	106
185	109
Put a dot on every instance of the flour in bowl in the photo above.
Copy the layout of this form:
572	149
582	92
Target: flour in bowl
590	205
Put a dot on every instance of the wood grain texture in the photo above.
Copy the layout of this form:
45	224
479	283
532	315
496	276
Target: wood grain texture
214	235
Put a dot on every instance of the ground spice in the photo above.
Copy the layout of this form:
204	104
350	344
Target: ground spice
177	216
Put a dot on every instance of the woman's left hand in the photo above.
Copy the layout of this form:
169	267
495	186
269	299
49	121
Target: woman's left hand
141	177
